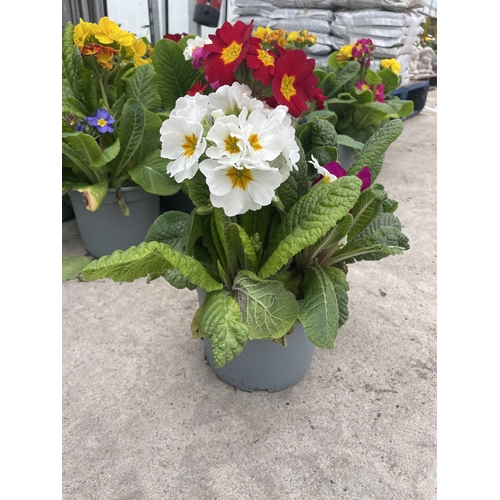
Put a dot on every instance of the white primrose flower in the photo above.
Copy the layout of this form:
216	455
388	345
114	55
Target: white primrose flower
227	137
192	44
182	141
237	188
231	99
193	108
262	137
290	155
327	176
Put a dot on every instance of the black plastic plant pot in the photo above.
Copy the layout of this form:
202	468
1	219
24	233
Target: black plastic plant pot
206	15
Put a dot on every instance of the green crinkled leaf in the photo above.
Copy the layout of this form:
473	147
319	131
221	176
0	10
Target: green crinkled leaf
269	310
117	108
389	206
221	225
72	266
323	154
400	107
377	245
75	107
366	208
151	175
310	218
221	322
346	77
389	79
131	129
292	281
175	75
148	258
141	85
86	146
316	133
256	222
383	219
93	195
319	311
67	53
198	190
107	155
193	232
242	245
151	138
174	277
169	228
341	288
376	146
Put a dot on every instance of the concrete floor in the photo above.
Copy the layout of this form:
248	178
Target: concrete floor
144	417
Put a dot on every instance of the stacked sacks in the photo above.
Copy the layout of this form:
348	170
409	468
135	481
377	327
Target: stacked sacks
314	21
258	10
395	34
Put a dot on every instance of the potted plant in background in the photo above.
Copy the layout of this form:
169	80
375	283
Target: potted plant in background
112	112
359	98
277	219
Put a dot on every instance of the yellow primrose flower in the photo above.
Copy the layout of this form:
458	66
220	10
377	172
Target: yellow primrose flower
139	49
345	53
261	32
109	32
83	32
391	64
293	36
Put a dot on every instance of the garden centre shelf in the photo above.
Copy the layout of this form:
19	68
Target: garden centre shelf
416	92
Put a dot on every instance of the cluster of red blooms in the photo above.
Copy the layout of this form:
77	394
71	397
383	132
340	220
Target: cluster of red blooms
286	75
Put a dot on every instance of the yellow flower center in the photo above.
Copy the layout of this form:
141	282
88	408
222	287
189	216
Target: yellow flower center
364	86
101	122
287	88
231	52
266	59
254	142
240	178
189	145
231	143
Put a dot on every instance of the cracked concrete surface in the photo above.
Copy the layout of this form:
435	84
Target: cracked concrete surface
144	417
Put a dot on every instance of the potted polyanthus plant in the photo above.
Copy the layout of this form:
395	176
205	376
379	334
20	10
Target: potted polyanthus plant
277	220
113	105
359	99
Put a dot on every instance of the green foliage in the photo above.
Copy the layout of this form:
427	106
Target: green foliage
359	114
134	98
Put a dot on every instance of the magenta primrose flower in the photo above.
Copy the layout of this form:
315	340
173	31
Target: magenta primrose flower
102	120
363	51
335	169
378	90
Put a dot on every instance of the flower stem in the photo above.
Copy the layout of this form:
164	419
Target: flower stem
103	94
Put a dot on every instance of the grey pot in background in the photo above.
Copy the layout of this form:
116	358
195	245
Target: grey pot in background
107	229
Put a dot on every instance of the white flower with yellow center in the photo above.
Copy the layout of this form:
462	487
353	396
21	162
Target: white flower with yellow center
182	141
231	99
227	137
262	136
290	155
237	188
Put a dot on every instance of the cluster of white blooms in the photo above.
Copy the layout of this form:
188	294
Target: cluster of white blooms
249	148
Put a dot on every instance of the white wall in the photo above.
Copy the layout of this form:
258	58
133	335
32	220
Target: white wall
133	15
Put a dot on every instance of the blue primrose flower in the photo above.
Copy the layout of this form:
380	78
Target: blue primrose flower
79	127
102	120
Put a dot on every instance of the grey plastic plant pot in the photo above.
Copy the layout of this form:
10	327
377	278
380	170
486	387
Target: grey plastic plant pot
263	364
107	229
346	156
